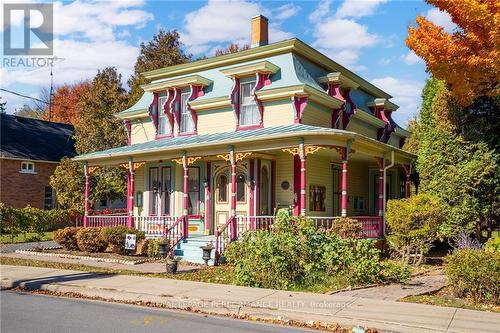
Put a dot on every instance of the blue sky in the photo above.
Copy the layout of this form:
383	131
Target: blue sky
366	36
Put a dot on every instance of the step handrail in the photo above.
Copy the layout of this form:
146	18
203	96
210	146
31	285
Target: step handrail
175	233
221	242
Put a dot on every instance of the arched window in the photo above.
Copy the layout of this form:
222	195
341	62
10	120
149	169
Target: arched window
264	191
222	188
240	187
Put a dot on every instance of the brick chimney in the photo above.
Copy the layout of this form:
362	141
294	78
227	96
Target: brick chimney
260	34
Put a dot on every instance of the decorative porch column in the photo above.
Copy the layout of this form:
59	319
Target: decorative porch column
345	157
302	155
87	192
381	184
253	184
407	169
232	159
208	199
130	192
185	203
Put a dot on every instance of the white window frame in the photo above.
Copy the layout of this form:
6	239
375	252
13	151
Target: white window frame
250	103
186	114
162	117
25	167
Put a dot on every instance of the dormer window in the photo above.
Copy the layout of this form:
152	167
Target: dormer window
164	127
187	122
248	80
172	109
249	111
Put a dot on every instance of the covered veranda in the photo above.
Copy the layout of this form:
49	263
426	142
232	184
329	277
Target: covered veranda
317	172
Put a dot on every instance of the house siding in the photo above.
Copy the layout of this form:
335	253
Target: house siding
22	189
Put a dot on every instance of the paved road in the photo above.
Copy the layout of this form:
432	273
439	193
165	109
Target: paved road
22	312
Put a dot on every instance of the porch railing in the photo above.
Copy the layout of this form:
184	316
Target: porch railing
372	225
154	226
107	220
223	236
246	223
175	232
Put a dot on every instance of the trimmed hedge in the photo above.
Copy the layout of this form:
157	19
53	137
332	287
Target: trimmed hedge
91	240
115	237
474	274
67	238
15	221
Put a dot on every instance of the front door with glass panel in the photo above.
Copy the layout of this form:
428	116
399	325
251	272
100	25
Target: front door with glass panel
160	191
222	202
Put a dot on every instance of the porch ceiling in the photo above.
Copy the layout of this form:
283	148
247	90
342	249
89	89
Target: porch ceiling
260	139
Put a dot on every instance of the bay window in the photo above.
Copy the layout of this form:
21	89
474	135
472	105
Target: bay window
249	112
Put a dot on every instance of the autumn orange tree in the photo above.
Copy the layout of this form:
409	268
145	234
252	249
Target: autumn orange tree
66	103
467	59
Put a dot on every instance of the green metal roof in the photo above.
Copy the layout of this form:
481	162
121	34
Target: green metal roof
182	142
141	105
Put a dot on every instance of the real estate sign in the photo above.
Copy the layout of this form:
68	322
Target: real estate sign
130	242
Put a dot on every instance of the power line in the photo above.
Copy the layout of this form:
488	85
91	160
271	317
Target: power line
25	96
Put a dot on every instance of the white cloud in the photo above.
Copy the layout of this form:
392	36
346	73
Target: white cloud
347	48
88	36
411	58
223	22
342	38
358	8
97	20
441	18
407	94
80	61
286	11
321	11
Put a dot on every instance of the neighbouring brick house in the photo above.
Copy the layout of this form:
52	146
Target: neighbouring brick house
30	150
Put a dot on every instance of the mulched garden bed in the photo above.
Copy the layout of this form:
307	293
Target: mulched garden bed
132	259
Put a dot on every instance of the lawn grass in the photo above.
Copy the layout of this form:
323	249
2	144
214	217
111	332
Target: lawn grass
444	298
25	238
219	274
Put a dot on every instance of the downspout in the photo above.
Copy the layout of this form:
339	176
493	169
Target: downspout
385	188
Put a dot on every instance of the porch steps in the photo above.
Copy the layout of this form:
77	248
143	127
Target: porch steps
189	249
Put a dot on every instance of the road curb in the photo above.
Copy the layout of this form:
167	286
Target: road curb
211	307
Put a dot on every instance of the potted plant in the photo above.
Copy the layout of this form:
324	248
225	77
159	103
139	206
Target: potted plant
163	247
172	262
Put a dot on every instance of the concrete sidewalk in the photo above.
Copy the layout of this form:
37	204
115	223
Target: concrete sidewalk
387	316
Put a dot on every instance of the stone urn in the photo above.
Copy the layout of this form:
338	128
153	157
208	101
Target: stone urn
207	252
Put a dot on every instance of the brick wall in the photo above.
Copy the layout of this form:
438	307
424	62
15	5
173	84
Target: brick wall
22	189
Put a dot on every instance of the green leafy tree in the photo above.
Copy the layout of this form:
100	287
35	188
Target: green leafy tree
68	182
165	49
98	128
413	226
464	174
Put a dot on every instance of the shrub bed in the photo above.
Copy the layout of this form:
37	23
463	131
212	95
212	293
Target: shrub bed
91	240
16	221
67	238
475	275
115	237
297	255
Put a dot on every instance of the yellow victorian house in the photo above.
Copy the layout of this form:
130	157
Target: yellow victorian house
217	145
